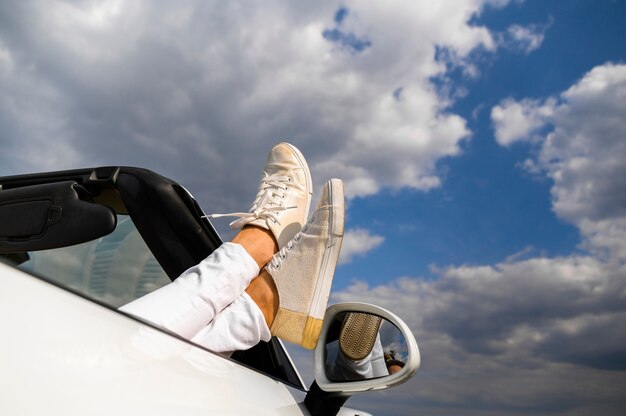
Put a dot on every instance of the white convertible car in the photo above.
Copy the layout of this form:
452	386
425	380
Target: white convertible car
75	246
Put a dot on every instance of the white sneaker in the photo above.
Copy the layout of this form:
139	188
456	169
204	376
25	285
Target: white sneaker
282	203
303	270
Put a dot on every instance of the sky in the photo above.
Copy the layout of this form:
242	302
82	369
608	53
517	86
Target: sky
481	142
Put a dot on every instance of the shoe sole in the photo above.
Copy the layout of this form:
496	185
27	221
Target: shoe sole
286	319
358	335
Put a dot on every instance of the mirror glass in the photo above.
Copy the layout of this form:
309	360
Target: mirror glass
362	346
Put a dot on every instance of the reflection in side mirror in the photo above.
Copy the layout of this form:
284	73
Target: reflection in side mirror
363	346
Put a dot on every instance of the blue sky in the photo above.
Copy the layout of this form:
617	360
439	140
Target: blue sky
488	208
481	143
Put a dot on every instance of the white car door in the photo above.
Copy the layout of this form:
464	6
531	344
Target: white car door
63	354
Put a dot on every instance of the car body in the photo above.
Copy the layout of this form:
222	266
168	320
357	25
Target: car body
76	245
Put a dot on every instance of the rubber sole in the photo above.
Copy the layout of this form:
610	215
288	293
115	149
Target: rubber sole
358	334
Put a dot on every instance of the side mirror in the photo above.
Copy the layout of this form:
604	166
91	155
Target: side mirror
362	347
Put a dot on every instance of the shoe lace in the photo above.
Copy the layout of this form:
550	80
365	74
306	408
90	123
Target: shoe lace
267	204
277	259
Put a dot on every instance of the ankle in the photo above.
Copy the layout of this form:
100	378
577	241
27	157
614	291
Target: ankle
264	293
258	242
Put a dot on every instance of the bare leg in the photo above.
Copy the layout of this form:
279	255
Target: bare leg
258	242
263	292
261	245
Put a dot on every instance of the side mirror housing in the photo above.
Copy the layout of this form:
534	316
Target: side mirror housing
349	383
361	347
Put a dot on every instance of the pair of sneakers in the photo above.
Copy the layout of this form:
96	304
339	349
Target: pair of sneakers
304	266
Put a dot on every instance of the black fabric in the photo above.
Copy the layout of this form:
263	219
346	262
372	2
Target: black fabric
52	215
24	219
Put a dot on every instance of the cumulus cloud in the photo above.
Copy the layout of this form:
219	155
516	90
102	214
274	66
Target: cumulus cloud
534	333
516	121
582	153
357	242
199	91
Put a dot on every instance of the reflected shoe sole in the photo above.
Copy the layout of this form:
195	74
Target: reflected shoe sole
358	335
299	319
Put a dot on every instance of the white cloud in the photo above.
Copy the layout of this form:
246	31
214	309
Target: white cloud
357	242
583	153
535	333
522	39
525	38
516	121
501	3
193	89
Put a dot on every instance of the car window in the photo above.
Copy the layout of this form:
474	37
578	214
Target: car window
115	269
